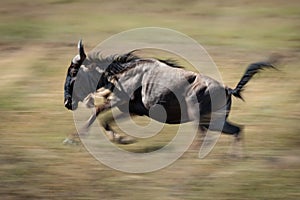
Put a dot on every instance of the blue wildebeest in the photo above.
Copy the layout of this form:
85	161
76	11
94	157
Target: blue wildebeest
144	86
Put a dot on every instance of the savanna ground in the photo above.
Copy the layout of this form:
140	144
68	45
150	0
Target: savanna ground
37	41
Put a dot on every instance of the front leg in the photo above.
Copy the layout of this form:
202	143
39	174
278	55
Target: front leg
74	137
112	135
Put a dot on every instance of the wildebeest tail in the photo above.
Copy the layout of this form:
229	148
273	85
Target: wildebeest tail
249	73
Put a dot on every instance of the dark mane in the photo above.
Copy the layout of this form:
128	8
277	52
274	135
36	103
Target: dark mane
121	63
170	62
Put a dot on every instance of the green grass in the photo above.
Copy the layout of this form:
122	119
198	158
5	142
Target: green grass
37	41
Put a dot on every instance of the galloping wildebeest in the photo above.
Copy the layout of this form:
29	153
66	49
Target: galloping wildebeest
145	86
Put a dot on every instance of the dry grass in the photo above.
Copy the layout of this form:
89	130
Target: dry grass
37	42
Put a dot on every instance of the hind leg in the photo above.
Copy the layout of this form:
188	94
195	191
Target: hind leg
237	148
226	128
230	129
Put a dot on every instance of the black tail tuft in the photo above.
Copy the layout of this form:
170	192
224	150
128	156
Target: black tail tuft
236	93
250	72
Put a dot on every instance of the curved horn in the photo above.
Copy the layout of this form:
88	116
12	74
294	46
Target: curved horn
81	50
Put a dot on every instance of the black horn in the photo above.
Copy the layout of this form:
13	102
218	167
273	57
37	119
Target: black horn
81	51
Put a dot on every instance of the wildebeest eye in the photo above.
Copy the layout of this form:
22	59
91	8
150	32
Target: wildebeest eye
73	71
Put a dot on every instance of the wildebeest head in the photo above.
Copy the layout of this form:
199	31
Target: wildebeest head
87	74
71	77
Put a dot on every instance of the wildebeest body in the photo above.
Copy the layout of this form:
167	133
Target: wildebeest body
157	88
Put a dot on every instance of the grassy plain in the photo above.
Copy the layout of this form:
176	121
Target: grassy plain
37	41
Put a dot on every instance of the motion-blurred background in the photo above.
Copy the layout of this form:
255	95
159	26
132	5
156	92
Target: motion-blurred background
38	40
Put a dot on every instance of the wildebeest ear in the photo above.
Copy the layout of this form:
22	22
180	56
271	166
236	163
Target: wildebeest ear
81	51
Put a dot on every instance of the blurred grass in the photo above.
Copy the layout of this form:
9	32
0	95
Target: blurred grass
265	24
37	41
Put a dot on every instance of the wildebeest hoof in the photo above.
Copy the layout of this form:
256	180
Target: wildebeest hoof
238	137
118	139
126	140
69	141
